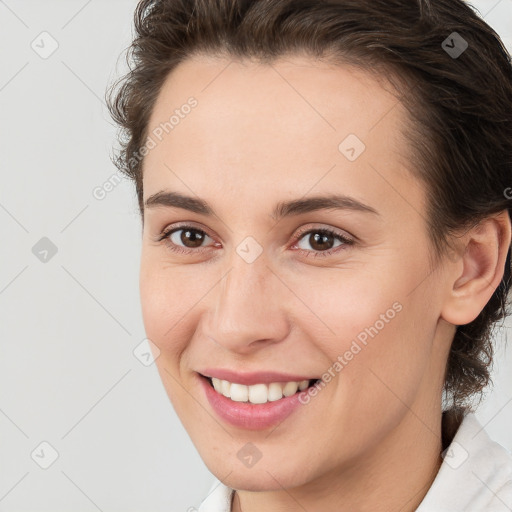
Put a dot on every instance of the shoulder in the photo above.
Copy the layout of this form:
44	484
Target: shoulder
476	474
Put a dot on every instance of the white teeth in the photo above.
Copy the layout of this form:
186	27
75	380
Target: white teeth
275	392
224	387
217	385
238	392
303	384
290	388
258	393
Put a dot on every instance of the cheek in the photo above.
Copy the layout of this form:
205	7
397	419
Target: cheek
345	303
376	334
377	360
168	296
385	375
162	307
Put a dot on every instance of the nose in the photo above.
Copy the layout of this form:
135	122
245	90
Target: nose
248	311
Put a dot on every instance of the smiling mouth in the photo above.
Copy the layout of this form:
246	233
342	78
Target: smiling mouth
258	393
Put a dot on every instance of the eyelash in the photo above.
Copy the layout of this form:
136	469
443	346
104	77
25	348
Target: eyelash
164	238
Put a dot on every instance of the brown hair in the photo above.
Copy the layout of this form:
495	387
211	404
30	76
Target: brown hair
460	106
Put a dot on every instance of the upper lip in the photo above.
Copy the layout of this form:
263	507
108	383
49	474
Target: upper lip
250	378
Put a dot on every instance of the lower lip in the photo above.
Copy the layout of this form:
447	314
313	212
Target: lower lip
250	416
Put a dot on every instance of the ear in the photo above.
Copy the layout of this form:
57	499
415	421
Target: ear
479	270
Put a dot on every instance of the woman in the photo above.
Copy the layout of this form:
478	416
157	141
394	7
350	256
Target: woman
326	244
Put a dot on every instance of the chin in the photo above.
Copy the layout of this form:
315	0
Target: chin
263	476
261	481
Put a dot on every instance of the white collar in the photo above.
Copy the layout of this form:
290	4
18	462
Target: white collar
475	476
218	499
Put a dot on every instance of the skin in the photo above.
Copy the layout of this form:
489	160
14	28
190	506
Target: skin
261	134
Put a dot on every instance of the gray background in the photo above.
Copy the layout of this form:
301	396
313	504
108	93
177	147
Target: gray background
68	326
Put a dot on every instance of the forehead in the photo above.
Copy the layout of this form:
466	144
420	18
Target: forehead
266	126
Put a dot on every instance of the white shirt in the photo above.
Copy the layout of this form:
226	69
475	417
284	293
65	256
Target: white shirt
475	476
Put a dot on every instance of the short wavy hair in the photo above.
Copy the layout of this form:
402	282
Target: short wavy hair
460	107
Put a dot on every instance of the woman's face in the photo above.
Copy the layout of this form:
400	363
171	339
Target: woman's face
251	289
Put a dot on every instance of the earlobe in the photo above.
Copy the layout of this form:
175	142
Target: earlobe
480	269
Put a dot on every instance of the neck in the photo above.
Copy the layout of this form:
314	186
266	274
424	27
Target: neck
394	475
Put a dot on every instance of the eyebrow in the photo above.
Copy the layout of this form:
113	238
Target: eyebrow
282	209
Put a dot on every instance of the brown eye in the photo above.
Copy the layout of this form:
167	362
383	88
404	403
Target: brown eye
190	238
322	241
